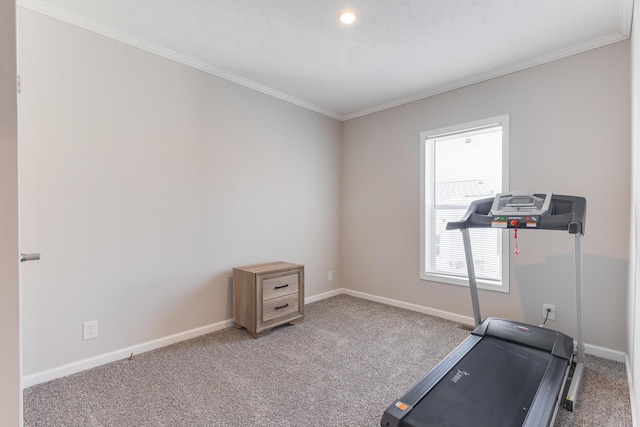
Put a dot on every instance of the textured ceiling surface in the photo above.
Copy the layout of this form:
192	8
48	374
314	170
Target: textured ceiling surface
396	51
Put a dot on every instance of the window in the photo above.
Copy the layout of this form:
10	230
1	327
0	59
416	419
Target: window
461	164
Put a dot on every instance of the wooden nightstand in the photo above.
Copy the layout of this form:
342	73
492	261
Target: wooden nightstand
267	295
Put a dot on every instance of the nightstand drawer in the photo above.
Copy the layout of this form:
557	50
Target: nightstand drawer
279	286
281	306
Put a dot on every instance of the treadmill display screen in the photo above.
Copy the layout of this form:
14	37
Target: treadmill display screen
521	201
519	209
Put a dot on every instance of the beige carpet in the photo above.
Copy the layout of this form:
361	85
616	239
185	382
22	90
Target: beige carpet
342	366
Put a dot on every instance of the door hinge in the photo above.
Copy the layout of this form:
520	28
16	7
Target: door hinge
19	84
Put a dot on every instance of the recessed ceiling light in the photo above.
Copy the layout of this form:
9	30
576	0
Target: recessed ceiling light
347	17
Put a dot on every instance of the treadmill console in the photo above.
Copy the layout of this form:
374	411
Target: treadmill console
519	209
532	210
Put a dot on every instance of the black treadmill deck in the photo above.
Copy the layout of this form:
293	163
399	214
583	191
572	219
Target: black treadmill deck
495	387
504	374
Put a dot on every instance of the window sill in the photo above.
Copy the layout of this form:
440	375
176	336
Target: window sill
459	281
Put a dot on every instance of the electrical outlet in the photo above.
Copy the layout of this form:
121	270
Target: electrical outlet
552	312
330	276
90	330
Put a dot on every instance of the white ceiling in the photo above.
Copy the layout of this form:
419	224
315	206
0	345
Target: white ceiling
396	52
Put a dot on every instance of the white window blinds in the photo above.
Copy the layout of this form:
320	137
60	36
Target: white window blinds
460	167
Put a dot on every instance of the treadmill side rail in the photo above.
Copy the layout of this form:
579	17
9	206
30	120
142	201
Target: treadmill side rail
394	413
549	394
572	392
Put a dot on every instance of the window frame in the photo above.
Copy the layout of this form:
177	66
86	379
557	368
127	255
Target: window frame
503	286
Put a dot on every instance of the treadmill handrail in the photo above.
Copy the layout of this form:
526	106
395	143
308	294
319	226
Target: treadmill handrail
566	213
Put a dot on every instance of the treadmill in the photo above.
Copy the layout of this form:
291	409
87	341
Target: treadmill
505	373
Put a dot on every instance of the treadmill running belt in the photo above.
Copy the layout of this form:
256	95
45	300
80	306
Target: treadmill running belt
493	388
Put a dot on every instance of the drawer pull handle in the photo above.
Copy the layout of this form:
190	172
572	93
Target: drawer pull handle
282	286
278	307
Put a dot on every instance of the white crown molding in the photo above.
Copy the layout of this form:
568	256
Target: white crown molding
519	66
87	24
625	23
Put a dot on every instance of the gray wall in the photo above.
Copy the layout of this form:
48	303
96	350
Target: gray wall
569	133
10	383
144	182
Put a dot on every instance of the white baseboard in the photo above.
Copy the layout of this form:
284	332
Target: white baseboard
632	397
467	320
93	362
605	353
595	350
324	295
102	359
